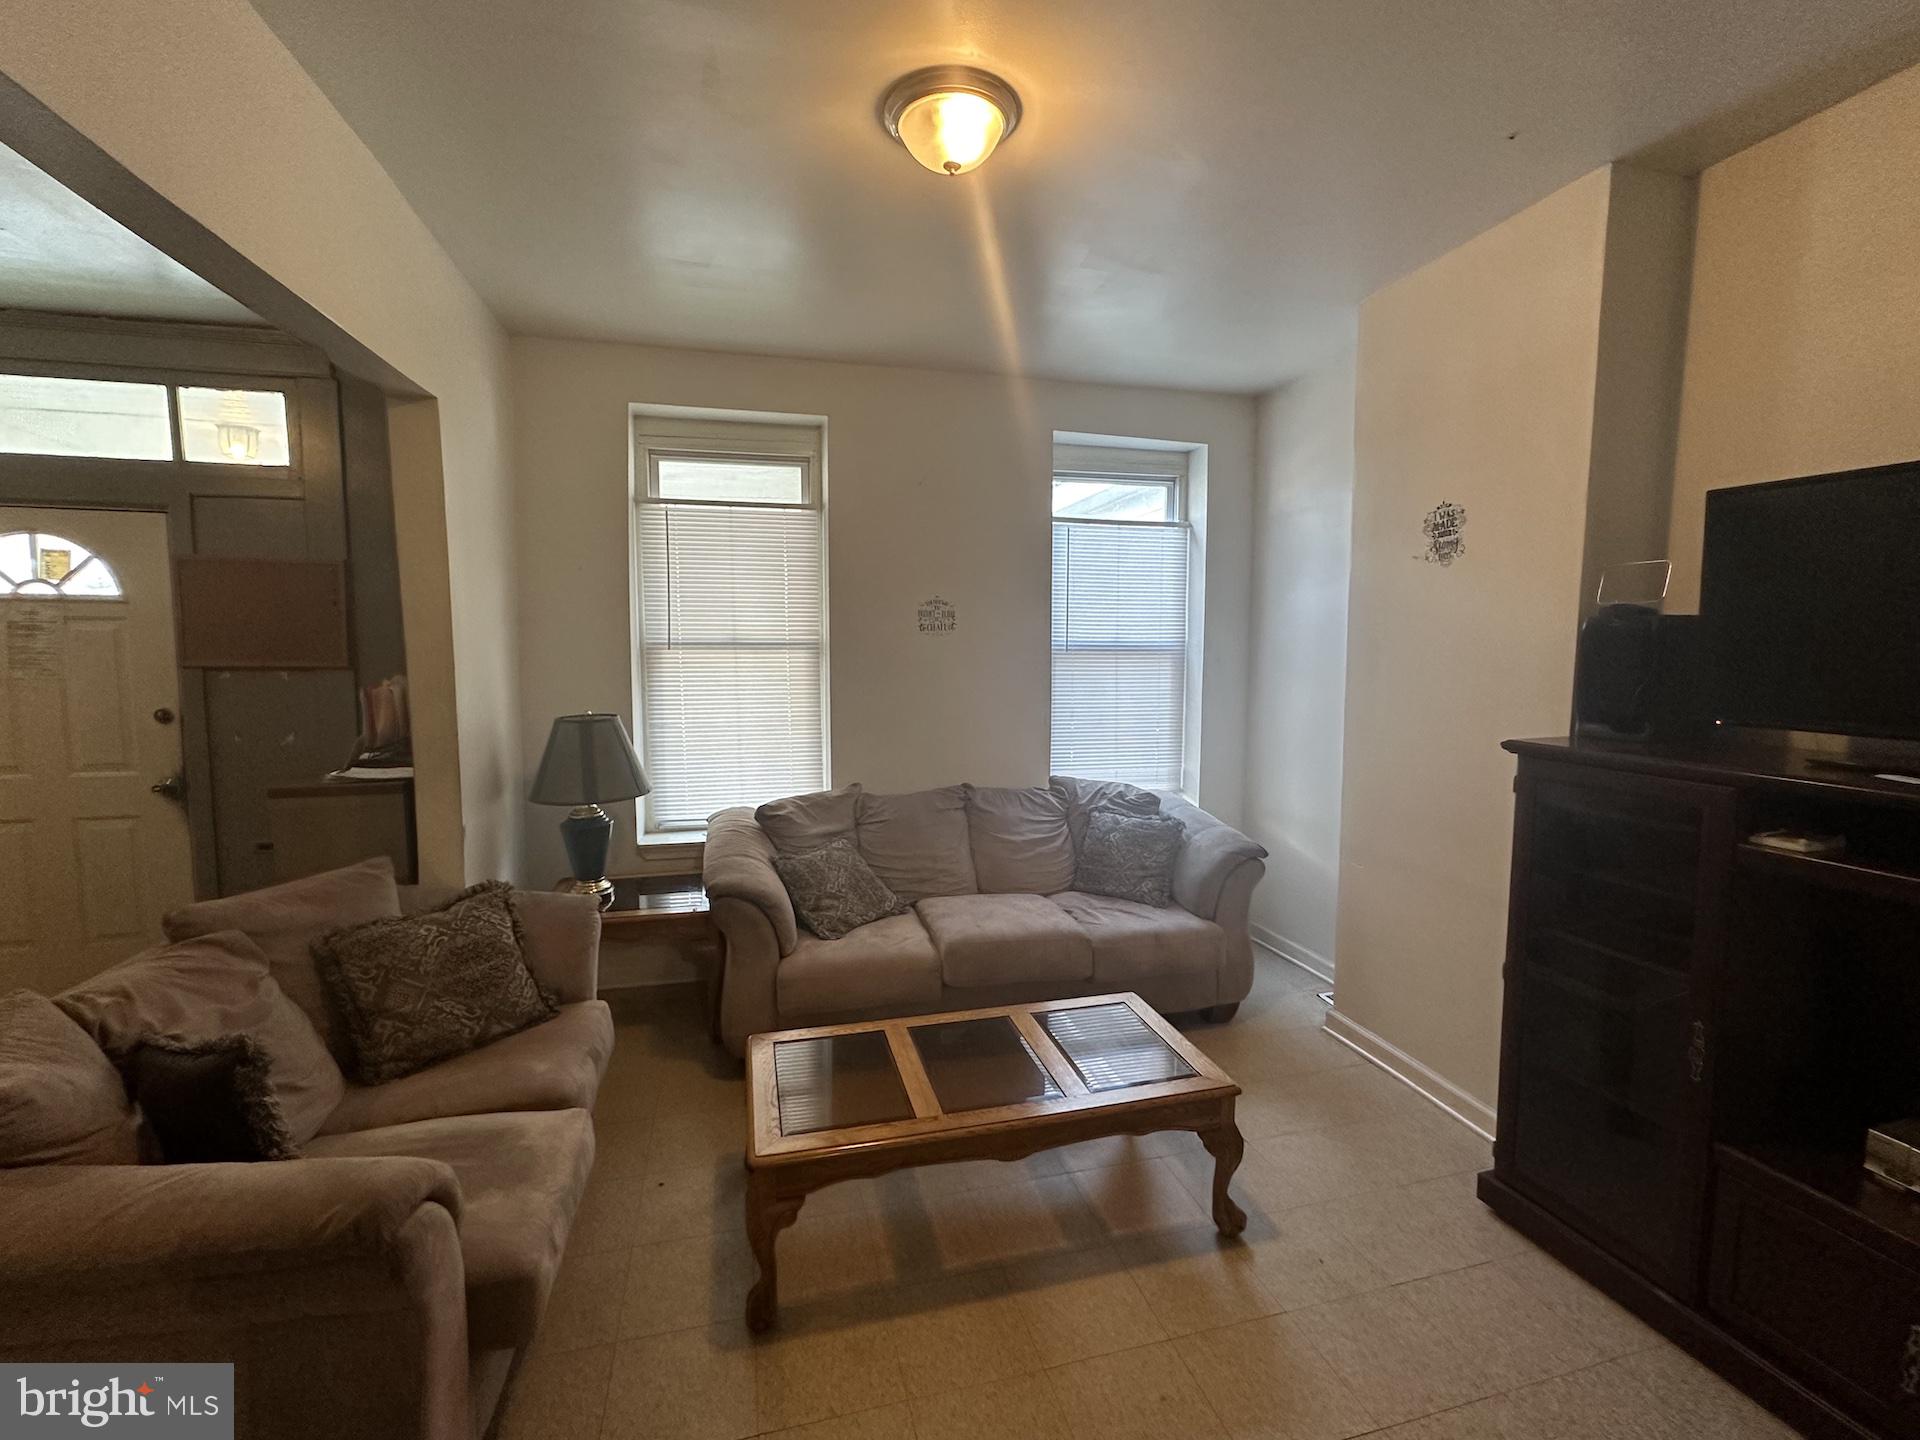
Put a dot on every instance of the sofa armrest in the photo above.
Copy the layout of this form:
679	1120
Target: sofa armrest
339	1278
739	866
142	1223
1213	852
561	934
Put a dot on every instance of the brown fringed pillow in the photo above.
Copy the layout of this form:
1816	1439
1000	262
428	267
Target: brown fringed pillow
210	1100
423	988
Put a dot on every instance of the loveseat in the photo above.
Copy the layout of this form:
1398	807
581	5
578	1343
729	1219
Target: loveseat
381	1285
994	917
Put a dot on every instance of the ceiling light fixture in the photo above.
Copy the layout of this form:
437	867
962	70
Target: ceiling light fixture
950	117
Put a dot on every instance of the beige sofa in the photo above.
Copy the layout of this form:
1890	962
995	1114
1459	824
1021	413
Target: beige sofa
383	1284
994	918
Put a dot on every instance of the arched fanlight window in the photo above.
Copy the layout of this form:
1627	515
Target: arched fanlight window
34	564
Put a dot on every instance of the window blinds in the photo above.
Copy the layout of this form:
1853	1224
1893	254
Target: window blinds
732	611
1119	651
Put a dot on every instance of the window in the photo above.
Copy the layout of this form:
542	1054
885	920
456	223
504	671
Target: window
34	564
125	420
729	546
233	427
112	419
1120	546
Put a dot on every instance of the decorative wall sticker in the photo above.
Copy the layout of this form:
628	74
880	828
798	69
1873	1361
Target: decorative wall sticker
1445	528
937	616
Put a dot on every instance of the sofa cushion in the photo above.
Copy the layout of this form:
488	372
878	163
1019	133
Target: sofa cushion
1019	839
800	823
418	990
1005	940
888	966
521	1177
555	1065
1130	857
1135	944
834	890
285	920
197	989
61	1100
1083	797
917	842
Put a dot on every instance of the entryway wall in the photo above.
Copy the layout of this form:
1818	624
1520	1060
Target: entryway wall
241	730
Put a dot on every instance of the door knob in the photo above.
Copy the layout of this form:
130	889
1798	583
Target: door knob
173	787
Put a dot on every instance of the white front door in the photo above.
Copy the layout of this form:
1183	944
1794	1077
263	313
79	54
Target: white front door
90	854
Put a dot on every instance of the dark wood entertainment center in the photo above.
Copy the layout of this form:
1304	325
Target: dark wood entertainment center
1697	1034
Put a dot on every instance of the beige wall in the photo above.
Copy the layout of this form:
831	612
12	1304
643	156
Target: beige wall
203	103
936	485
1476	385
1803	346
1296	682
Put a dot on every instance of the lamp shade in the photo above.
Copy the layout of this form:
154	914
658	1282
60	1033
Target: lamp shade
589	759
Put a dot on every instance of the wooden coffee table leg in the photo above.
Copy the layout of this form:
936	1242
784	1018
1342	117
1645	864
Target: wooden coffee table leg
768	1213
1223	1142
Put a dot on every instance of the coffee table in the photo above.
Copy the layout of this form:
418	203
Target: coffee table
841	1102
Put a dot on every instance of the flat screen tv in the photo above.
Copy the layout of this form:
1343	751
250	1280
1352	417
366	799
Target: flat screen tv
1810	603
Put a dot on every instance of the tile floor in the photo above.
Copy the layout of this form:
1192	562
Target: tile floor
1083	1293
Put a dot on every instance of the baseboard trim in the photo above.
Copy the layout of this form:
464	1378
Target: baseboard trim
1292	951
1409	1071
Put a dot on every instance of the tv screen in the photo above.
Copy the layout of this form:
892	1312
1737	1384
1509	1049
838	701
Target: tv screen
1810	603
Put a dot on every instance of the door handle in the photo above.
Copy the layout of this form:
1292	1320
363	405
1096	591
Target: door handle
174	787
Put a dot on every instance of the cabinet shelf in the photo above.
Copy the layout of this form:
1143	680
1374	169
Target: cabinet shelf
1835	1188
1834	872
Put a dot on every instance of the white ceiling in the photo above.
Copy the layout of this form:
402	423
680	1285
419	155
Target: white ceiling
1200	191
59	253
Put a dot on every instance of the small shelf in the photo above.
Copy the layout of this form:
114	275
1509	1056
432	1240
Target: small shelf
1610	953
1834	1187
1835	872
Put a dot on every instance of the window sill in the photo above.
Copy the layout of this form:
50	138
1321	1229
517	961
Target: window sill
671	837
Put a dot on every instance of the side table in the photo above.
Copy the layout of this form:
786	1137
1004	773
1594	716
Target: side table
666	910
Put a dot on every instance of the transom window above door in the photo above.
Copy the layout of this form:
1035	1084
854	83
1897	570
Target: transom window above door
126	420
34	564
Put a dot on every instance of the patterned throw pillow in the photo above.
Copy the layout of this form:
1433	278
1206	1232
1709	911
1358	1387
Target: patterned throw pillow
1129	857
210	1101
834	890
424	988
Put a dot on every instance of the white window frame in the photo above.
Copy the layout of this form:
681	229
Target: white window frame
656	437
1166	466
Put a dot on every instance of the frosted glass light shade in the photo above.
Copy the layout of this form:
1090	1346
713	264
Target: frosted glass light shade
952	132
950	117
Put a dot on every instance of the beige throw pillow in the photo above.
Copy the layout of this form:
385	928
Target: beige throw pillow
284	921
419	990
61	1100
197	989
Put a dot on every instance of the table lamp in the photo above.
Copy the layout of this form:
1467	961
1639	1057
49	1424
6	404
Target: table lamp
589	759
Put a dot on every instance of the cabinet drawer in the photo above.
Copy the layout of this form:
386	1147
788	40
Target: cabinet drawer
1820	1303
